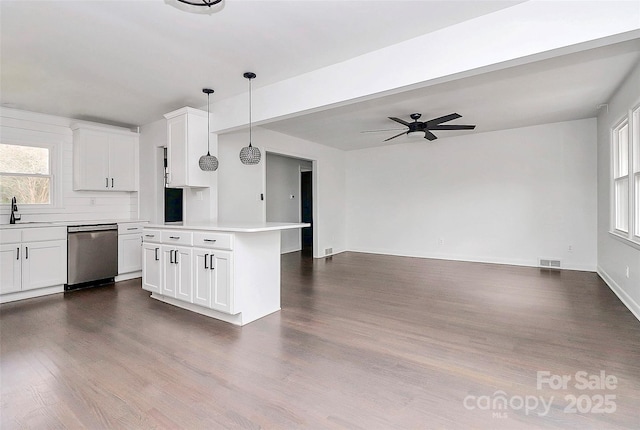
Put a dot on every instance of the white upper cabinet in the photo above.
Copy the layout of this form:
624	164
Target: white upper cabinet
104	159
186	143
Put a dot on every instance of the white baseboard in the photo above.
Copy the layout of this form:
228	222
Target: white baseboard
29	294
625	298
471	259
127	276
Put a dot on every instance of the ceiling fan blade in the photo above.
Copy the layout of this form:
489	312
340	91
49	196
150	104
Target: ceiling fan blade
397	135
430	136
401	121
452	127
384	129
442	119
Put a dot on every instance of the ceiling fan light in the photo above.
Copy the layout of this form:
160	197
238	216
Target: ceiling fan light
202	7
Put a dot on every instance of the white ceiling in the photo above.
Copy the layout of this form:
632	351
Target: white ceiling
560	89
129	62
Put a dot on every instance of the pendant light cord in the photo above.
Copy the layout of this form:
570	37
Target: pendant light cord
208	126
250	111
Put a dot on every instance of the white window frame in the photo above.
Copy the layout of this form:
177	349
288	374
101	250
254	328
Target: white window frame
632	234
634	172
55	190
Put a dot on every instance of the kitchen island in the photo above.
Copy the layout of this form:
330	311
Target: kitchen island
228	271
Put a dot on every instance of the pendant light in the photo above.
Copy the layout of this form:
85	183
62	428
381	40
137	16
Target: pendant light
249	154
208	162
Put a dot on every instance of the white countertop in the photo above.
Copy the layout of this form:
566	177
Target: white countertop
238	227
20	224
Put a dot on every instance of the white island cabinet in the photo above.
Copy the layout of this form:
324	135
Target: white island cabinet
226	271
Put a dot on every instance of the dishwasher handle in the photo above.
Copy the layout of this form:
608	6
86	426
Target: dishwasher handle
99	227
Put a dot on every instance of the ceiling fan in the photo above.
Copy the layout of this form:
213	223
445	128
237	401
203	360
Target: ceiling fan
416	127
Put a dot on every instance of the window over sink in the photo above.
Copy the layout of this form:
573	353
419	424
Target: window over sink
26	172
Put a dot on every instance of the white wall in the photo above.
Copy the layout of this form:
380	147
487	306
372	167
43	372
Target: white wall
614	255
283	181
509	196
153	137
18	126
239	186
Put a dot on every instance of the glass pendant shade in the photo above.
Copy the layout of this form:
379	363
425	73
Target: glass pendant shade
249	154
208	163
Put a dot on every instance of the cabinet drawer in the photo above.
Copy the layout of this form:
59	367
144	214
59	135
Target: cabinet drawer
149	235
130	227
177	237
213	240
13	235
46	233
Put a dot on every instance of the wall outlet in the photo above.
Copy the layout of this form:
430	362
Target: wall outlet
92	202
290	196
570	248
627	271
441	241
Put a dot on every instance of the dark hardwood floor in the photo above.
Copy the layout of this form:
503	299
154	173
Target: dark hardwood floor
362	342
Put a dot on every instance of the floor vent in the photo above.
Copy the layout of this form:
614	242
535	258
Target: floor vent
328	251
548	263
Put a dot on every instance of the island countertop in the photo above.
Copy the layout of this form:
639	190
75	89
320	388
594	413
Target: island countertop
236	227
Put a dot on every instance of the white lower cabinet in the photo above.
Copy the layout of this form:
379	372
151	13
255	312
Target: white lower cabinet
201	275
129	255
212	280
129	247
33	258
10	268
44	264
176	272
151	267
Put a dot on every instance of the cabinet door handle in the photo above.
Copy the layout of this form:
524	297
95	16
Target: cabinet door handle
176	256
106	182
210	240
149	235
26	252
111	182
174	237
205	261
157	254
18	253
211	262
132	228
171	256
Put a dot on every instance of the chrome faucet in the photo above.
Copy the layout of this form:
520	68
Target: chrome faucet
14	209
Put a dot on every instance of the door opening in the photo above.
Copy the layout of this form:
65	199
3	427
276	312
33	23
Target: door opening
306	210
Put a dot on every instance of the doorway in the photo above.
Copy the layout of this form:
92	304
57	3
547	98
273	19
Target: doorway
289	198
306	209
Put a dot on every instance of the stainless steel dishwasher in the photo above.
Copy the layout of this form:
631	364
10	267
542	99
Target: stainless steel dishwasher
92	255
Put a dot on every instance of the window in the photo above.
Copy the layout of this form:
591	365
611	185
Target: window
635	151
621	177
25	172
625	154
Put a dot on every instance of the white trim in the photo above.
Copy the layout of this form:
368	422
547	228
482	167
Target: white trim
29	294
127	276
625	298
624	239
471	259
